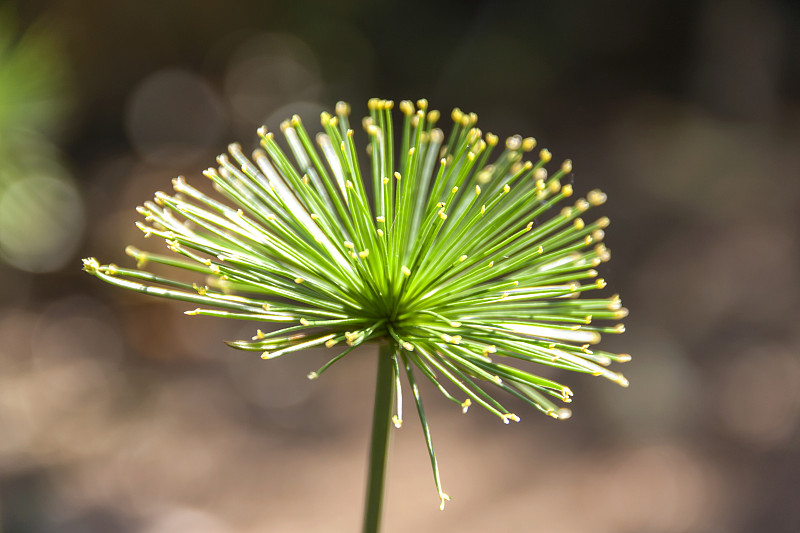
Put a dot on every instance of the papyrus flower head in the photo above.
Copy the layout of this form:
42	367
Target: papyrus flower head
464	253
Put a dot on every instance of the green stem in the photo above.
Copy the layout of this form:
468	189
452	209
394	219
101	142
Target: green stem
382	415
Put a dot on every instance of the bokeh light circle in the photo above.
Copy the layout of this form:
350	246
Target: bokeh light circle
174	116
42	219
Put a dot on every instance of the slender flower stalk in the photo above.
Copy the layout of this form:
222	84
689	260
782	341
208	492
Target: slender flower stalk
466	259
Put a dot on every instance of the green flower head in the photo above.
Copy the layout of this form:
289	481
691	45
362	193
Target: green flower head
467	258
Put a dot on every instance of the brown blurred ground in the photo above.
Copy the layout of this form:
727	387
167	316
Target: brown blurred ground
120	414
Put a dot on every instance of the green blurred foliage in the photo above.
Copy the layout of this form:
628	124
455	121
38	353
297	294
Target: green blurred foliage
41	214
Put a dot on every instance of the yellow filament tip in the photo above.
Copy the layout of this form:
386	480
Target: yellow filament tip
528	144
465	405
507	417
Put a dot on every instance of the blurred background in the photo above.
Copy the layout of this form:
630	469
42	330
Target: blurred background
120	414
